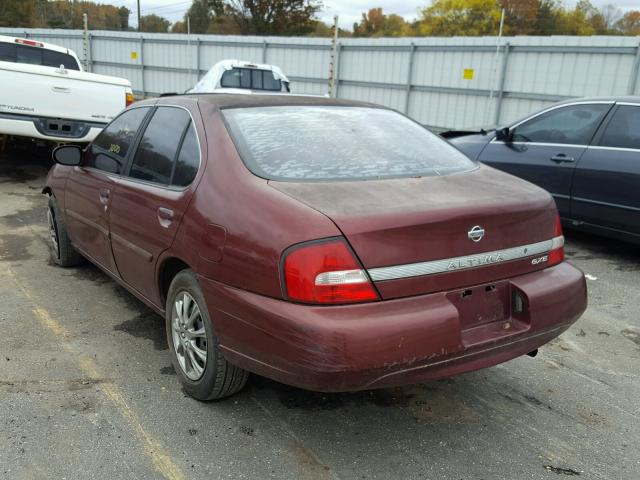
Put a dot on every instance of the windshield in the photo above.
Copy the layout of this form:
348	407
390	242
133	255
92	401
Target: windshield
324	143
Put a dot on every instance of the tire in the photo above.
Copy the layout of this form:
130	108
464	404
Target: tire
207	379
62	252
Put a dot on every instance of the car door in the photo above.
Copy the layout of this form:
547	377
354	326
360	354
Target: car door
545	149
606	185
152	197
90	186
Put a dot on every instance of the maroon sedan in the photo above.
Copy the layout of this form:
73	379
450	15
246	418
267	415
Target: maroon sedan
327	244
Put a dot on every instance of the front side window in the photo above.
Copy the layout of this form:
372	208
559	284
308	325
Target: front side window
574	124
154	158
250	78
332	143
623	130
109	150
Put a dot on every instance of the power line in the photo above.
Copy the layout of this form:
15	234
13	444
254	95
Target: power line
164	12
168	5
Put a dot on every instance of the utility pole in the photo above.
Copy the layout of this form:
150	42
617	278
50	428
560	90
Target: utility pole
494	69
138	15
85	40
189	43
333	58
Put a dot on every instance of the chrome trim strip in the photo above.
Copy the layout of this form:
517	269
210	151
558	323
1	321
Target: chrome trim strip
562	105
607	204
121	176
541	144
462	263
546	110
614	149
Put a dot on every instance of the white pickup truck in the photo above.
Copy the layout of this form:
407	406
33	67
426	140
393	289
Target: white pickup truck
45	94
237	76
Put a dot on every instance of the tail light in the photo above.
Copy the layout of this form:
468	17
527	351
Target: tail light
326	272
128	98
556	255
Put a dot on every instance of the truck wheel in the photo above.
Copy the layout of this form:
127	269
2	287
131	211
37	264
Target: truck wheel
62	252
194	348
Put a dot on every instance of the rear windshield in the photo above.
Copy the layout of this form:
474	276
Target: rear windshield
10	52
250	78
325	143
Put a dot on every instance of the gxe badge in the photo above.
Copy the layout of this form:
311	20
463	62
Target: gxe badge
476	233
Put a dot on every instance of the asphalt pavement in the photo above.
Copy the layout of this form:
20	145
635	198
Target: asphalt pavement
87	389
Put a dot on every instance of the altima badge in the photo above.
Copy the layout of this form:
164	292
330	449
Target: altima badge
476	233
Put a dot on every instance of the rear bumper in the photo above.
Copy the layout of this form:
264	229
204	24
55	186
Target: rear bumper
393	342
40	128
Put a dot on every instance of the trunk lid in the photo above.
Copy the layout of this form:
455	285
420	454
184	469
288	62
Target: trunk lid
404	222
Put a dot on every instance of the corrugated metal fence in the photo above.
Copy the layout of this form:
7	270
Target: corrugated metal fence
460	82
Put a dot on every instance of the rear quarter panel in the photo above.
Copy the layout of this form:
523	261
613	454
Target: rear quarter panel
237	226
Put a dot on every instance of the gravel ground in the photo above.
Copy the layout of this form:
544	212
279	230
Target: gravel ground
87	389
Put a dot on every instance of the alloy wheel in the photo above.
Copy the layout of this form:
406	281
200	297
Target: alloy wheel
53	233
189	336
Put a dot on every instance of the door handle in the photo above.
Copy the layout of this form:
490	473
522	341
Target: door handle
104	194
562	158
165	216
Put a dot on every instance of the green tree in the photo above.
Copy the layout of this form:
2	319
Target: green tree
448	18
321	29
375	23
200	15
546	21
520	16
18	13
123	13
154	23
629	24
269	17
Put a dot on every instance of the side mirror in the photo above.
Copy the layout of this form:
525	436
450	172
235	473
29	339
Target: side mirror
504	134
70	155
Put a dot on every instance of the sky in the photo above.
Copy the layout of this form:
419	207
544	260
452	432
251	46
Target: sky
348	11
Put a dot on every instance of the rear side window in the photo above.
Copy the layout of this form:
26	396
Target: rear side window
154	158
250	78
55	59
188	159
623	130
574	124
110	148
325	143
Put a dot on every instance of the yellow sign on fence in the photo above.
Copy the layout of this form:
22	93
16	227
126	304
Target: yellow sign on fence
468	73
134	55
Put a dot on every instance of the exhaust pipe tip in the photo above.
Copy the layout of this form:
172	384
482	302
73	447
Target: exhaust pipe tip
533	353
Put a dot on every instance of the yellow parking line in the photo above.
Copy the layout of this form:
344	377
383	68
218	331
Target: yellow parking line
153	448
46	320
